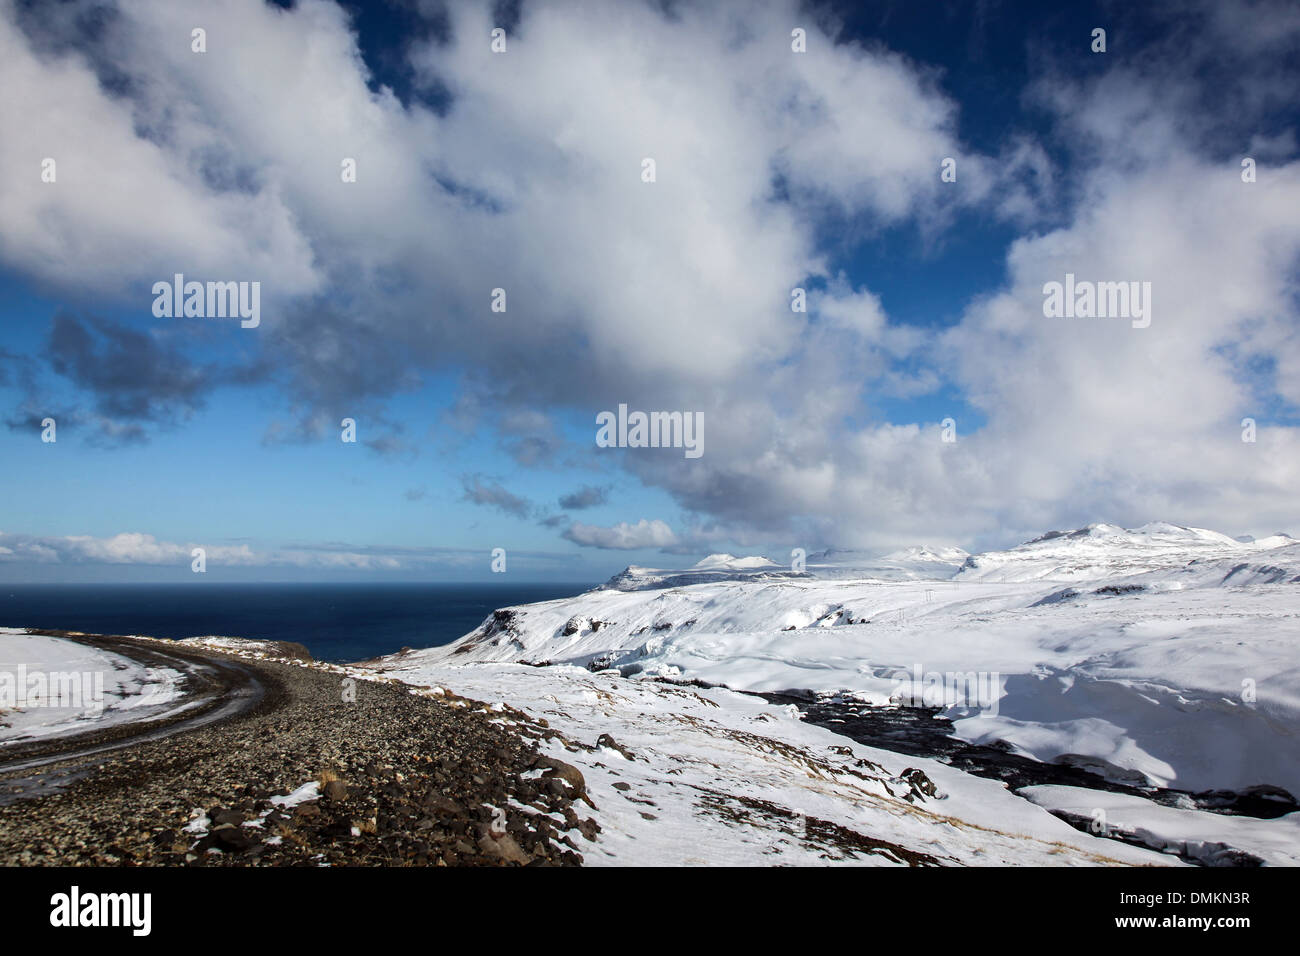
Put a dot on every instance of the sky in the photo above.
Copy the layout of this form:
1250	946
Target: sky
460	247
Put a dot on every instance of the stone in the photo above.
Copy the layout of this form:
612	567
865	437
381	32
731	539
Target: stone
503	848
336	791
571	775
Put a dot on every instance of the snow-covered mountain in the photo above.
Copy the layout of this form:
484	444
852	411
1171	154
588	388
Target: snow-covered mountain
928	555
730	562
1163	651
1161	655
910	564
1104	551
714	568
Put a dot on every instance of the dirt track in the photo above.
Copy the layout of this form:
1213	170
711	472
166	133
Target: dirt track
408	779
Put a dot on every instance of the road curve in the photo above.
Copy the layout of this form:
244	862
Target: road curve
305	767
216	689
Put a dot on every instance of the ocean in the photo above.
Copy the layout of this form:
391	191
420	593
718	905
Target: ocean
336	622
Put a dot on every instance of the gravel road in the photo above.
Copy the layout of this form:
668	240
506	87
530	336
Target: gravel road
399	779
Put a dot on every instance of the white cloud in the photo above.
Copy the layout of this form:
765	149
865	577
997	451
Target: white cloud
623	536
144	549
676	294
124	210
124	548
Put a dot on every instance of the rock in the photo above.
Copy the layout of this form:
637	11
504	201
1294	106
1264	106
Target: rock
403	780
231	839
559	770
503	848
338	830
622	786
336	791
605	740
291	650
919	782
443	805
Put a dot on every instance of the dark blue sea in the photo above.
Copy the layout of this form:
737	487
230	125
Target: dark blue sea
337	622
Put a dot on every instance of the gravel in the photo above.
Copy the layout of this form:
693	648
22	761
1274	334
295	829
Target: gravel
398	779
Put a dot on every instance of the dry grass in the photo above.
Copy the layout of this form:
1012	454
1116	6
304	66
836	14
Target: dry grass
326	776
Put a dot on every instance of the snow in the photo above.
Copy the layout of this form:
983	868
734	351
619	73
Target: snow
922	562
1197	833
200	823
916	563
1102	550
1162	655
733	563
715	568
243	645
1161	651
928	555
99	688
719	778
308	791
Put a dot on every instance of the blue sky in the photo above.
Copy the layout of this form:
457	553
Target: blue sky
218	478
520	169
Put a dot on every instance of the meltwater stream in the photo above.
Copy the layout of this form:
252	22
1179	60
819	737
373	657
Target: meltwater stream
923	732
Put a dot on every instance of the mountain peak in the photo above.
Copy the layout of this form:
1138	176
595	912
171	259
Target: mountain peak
724	560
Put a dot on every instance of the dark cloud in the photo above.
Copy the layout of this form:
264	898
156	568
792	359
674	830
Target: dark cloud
130	379
389	445
588	496
532	451
487	492
31	414
529	437
132	376
337	359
